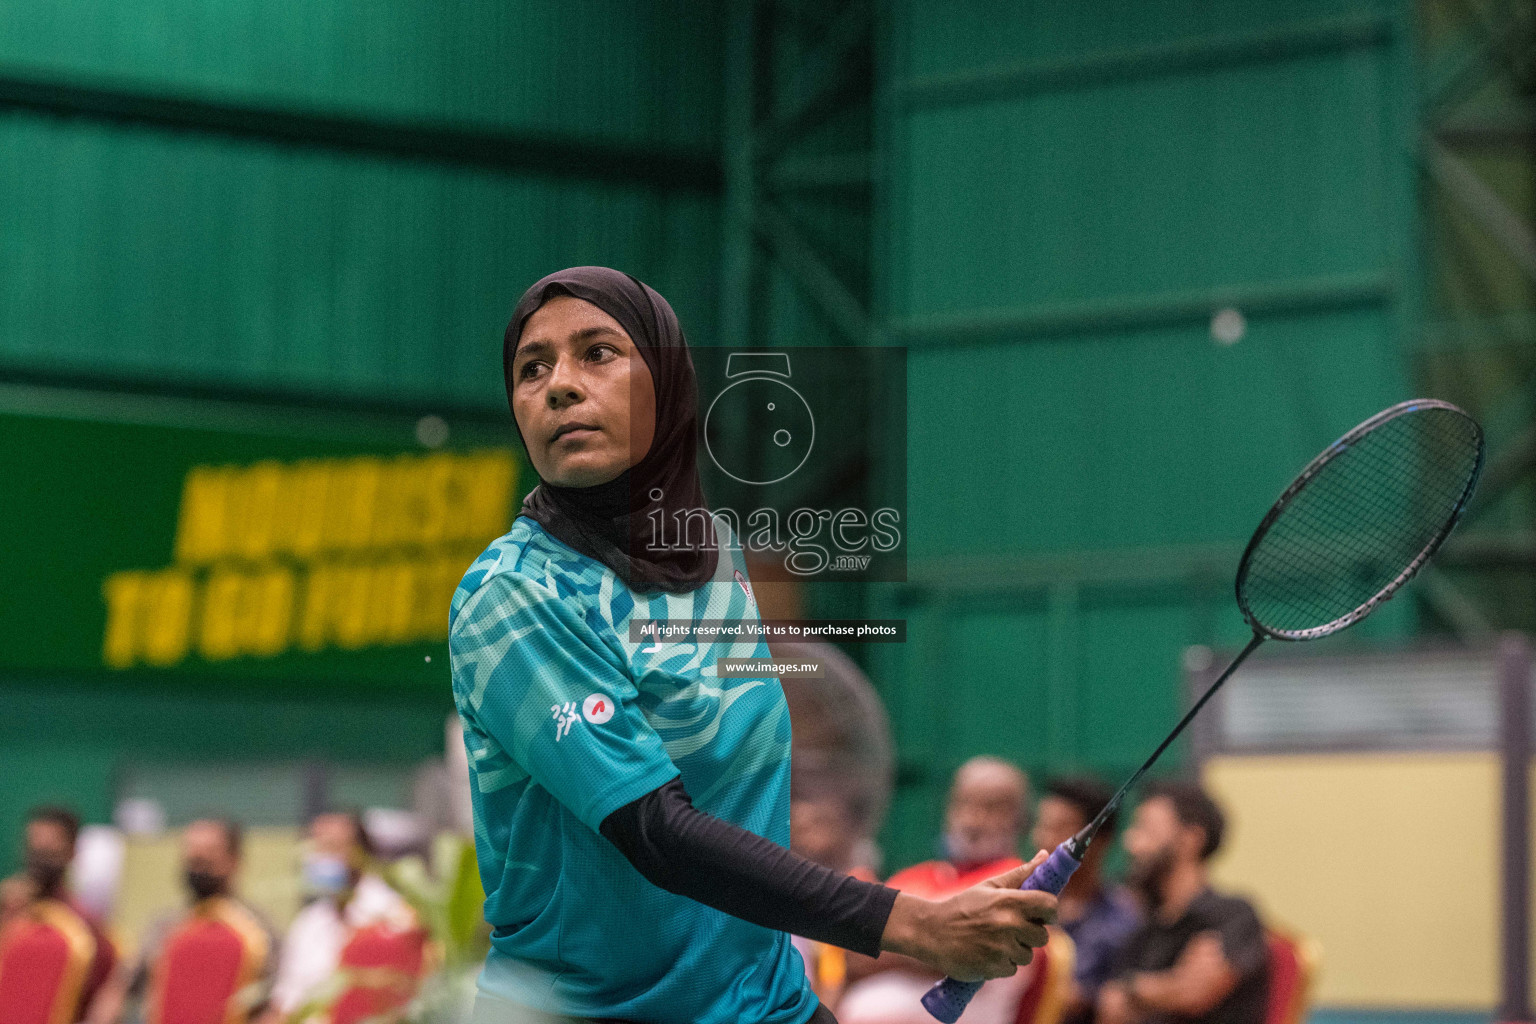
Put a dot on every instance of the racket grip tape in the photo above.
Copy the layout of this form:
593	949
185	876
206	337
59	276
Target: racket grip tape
947	1000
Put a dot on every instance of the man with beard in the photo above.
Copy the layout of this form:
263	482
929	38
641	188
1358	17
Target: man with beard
1200	956
183	973
46	912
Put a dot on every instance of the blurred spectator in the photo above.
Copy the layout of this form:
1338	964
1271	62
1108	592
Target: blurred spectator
823	828
40	898
982	824
1200	956
1099	919
348	895
183	953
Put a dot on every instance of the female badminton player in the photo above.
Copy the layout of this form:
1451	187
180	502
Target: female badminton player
631	806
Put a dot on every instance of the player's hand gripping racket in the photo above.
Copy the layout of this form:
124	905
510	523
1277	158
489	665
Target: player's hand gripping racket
1352	528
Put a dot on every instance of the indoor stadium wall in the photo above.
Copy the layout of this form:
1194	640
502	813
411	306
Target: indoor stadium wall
324	205
1350	849
143	241
1075	189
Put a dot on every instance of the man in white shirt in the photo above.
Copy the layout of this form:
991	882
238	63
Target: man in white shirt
348	896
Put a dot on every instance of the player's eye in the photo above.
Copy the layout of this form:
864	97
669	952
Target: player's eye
601	353
529	370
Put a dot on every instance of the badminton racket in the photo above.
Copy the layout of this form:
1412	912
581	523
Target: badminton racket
1355	526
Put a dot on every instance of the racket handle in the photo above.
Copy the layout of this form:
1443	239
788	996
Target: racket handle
948	999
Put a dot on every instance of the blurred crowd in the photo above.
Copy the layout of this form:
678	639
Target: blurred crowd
357	950
1159	945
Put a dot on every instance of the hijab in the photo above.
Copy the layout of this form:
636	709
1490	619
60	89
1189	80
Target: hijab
615	522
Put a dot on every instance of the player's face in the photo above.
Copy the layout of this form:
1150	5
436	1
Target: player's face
582	395
1056	821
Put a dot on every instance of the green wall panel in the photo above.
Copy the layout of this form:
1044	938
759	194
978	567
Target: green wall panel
192	258
1223	177
954	38
1074	190
1151	437
638	71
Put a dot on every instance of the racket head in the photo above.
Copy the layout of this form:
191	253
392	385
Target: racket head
1360	520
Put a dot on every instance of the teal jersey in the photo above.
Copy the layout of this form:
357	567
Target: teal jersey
567	719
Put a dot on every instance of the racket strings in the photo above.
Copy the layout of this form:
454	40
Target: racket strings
1356	558
1331	553
1365	517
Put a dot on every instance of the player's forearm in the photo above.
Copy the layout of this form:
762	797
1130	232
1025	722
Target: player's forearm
721	865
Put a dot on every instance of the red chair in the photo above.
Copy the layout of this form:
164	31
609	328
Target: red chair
1292	968
382	967
46	954
1044	999
207	959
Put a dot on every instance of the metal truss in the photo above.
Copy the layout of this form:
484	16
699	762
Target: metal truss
1477	157
800	83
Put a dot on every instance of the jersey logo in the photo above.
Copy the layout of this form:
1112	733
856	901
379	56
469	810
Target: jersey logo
746	588
565	716
597	708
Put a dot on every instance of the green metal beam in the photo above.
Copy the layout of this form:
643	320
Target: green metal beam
1029	574
1451	603
821	172
465	145
1490	550
1346	291
1300	40
819	70
34	387
737	250
1502	224
1499	46
801	261
1507	128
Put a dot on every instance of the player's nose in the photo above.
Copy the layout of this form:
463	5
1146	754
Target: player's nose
563	386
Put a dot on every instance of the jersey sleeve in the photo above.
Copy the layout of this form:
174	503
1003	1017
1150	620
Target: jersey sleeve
539	680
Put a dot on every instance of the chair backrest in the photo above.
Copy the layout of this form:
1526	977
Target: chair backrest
45	957
382	967
1292	968
206	960
1044	999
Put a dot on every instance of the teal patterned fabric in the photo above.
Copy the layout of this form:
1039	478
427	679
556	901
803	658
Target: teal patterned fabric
565	720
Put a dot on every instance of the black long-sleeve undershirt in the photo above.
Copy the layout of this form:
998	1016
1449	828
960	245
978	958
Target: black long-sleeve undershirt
697	855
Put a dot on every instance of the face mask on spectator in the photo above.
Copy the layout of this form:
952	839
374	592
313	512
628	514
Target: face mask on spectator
961	847
326	875
204	883
46	873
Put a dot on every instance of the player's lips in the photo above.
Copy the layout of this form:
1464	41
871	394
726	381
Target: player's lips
572	430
